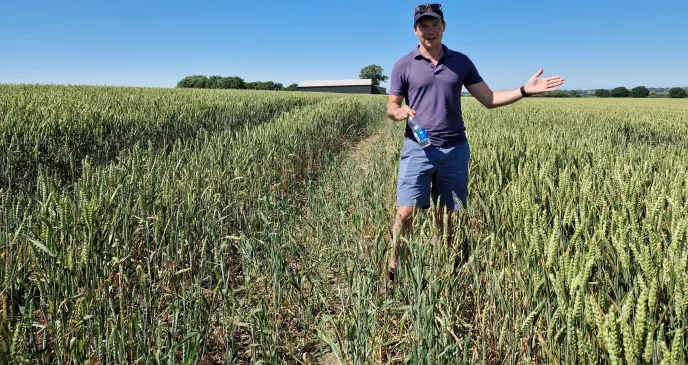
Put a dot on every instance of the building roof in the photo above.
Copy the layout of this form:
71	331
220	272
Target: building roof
354	82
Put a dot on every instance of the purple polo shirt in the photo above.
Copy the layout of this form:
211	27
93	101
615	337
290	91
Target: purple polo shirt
434	92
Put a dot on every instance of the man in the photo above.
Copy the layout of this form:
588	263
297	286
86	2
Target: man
430	79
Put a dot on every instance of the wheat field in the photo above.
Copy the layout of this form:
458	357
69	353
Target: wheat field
182	226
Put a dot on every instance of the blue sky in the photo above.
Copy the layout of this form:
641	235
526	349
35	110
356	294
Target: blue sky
592	44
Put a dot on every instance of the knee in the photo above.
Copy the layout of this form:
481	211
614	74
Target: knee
404	214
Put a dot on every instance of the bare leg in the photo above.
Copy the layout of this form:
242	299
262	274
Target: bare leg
402	224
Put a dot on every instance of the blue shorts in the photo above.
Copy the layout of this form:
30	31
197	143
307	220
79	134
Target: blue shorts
433	171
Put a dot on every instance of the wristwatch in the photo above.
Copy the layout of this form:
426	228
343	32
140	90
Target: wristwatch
523	91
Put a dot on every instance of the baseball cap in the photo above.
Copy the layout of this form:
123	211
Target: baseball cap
433	10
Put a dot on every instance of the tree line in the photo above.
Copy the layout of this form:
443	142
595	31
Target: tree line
230	82
620	92
375	72
637	92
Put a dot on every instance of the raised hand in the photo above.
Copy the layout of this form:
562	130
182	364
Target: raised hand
537	85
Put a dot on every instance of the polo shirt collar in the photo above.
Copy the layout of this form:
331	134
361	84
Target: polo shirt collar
416	52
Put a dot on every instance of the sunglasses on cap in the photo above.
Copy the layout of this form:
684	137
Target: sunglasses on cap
420	9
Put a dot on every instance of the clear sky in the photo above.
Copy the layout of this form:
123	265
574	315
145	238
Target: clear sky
592	44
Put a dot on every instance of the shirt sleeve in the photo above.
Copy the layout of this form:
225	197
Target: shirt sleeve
472	76
398	84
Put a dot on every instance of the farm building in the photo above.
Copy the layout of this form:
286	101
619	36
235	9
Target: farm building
357	86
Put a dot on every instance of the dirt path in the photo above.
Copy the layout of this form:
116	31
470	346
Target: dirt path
345	232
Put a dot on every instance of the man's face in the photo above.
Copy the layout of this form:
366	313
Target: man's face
429	31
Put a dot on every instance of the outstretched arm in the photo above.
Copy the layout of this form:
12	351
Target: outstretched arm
494	99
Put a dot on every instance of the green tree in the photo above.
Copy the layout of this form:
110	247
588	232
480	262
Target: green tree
602	93
270	85
574	94
186	82
677	92
194	81
373	72
213	82
231	82
257	85
640	92
292	87
620	92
